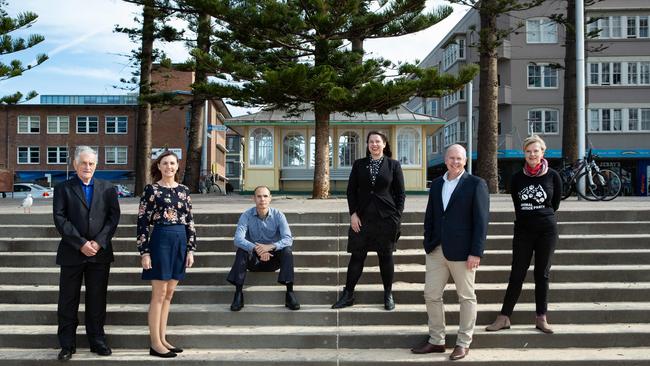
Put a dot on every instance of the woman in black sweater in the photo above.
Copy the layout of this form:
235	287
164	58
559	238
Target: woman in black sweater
536	191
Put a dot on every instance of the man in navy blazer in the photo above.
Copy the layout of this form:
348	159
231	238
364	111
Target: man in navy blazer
86	214
455	228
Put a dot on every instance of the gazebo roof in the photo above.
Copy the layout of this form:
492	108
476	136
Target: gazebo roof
400	115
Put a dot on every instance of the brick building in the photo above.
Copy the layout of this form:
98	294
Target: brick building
38	139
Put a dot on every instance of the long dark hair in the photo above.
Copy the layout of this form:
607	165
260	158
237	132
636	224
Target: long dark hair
387	151
156	175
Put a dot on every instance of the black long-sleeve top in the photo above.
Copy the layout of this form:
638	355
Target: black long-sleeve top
536	197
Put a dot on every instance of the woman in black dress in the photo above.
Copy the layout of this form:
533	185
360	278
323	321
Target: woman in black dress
375	201
165	205
536	190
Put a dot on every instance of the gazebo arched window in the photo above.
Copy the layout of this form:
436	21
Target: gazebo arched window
348	148
409	146
260	152
312	150
293	150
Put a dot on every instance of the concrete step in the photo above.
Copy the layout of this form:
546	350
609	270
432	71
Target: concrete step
360	314
338	258
329	243
404	293
371	336
128	229
572	214
413	273
625	356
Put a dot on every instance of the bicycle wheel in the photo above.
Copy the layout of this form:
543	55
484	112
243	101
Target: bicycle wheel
591	193
610	186
567	184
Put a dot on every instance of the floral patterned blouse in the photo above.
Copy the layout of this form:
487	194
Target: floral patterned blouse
165	206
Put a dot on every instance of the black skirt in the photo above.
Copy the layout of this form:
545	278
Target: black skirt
378	234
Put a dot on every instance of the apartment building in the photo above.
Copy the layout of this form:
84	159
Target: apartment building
39	139
531	88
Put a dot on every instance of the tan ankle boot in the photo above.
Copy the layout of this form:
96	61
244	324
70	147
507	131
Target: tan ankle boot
501	322
541	324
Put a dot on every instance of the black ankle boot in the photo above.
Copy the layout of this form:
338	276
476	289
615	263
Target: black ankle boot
346	299
389	303
237	301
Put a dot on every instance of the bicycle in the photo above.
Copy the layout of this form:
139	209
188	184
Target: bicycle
601	184
208	184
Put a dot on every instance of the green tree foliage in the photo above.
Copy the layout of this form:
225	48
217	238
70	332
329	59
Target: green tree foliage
296	55
9	45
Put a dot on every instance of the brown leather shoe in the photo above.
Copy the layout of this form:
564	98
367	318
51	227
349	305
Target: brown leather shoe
458	353
542	324
501	322
429	348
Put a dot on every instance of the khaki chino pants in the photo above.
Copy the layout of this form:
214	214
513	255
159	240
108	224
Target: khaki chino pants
438	269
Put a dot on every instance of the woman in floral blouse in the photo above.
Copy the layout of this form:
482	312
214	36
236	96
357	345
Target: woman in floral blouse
165	205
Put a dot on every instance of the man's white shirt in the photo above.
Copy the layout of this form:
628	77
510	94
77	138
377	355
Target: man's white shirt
448	188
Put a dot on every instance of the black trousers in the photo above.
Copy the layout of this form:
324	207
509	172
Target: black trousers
282	259
539	238
95	276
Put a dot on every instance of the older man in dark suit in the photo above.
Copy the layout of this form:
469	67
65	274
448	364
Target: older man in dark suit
86	214
455	228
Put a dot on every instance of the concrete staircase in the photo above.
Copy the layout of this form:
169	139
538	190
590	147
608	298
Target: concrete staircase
599	299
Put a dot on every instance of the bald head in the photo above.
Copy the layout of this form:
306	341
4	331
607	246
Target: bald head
456	148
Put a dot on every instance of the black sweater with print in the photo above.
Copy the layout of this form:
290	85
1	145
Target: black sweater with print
536	197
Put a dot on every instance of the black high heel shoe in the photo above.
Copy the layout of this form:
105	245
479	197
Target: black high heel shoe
169	354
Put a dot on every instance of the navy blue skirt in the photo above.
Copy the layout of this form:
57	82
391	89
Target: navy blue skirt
167	247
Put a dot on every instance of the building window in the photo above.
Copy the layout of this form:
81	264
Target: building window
632	73
233	144
409	146
541	30
633	119
453	98
87	124
57	154
29	124
616	27
294	151
643	27
433	110
603	24
619	120
631	27
117	124
261	148
349	145
29	154
58	124
312	151
543	121
644	73
619	73
594	74
454	132
542	76
453	52
115	155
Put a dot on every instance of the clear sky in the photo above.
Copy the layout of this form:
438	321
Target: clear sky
87	57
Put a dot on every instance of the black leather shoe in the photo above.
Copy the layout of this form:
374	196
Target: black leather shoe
169	354
65	354
291	301
175	350
346	299
101	349
389	303
237	301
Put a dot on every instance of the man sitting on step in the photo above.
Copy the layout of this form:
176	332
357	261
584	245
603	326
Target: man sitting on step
263	240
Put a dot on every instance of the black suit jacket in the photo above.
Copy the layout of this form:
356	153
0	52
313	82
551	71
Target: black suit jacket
77	222
461	229
388	193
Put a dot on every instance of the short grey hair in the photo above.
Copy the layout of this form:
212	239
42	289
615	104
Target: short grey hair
534	139
83	149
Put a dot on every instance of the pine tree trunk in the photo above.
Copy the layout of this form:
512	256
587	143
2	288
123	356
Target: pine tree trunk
143	137
488	101
321	187
197	113
570	112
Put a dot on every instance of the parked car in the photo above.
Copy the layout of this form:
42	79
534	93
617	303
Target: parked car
21	190
122	191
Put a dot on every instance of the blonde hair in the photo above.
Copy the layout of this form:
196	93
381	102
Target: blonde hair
533	139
